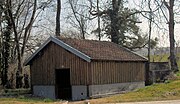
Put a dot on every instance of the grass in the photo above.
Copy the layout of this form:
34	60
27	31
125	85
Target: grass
164	91
14	92
178	74
21	101
27	100
21	96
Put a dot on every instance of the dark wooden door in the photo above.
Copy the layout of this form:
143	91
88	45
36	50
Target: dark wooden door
63	86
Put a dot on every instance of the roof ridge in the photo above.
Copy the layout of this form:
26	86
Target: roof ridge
81	39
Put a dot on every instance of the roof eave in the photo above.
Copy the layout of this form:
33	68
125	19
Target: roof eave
27	61
145	59
62	44
71	49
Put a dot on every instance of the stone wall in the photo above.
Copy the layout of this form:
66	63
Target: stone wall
158	72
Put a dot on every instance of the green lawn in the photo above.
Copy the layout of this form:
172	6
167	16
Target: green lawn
164	91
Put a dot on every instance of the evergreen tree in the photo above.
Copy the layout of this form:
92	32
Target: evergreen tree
120	25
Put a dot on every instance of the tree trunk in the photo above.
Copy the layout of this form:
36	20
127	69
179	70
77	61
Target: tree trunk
81	24
114	18
80	20
15	35
99	27
58	17
150	29
173	61
1	43
149	43
5	53
28	28
6	49
19	58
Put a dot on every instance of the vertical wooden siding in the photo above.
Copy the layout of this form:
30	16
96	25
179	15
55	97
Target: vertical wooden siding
107	72
82	73
54	57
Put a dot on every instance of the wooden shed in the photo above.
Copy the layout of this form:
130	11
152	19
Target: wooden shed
79	69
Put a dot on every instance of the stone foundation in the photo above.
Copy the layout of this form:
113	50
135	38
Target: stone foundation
44	91
101	90
79	92
82	92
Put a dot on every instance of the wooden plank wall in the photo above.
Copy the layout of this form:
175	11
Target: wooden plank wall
107	72
54	57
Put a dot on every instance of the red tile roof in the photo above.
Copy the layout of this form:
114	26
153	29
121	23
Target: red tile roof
103	50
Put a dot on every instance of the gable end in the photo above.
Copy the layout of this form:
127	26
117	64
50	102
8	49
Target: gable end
62	44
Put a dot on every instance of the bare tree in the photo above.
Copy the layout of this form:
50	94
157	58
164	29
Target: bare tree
70	33
80	16
171	23
21	16
96	12
20	50
163	11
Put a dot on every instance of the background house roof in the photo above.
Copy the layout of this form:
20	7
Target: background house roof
103	50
